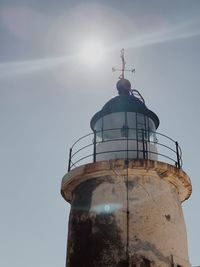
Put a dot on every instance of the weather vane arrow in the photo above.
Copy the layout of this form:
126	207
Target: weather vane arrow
123	69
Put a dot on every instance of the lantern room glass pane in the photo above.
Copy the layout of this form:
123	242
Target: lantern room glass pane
131	122
98	125
141	121
151	125
152	131
112	125
98	128
141	127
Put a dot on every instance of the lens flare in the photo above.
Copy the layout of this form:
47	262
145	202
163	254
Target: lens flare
106	208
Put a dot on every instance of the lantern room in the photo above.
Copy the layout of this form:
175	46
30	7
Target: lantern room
125	127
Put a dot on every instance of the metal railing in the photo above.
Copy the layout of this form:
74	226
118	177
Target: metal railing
86	149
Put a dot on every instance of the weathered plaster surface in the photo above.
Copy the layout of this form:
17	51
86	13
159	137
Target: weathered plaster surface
126	214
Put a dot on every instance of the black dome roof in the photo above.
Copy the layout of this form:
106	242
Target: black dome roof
124	103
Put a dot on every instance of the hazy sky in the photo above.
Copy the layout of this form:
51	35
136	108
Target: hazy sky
48	96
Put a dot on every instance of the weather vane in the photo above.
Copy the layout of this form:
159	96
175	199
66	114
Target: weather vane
123	69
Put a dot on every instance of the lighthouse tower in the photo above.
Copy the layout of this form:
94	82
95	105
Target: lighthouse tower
125	184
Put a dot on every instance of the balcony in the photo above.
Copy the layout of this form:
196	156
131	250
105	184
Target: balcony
124	143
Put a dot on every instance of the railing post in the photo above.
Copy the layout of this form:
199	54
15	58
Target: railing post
137	146
137	137
69	162
147	144
94	146
146	149
127	148
143	145
178	156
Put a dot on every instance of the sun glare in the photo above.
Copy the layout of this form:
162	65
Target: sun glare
92	52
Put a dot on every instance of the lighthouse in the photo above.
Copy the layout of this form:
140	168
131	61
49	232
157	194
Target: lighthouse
126	186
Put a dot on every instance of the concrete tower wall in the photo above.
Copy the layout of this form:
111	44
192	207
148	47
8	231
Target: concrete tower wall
126	214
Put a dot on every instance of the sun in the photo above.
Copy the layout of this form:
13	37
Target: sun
92	52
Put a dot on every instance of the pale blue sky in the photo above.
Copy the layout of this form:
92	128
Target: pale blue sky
48	96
